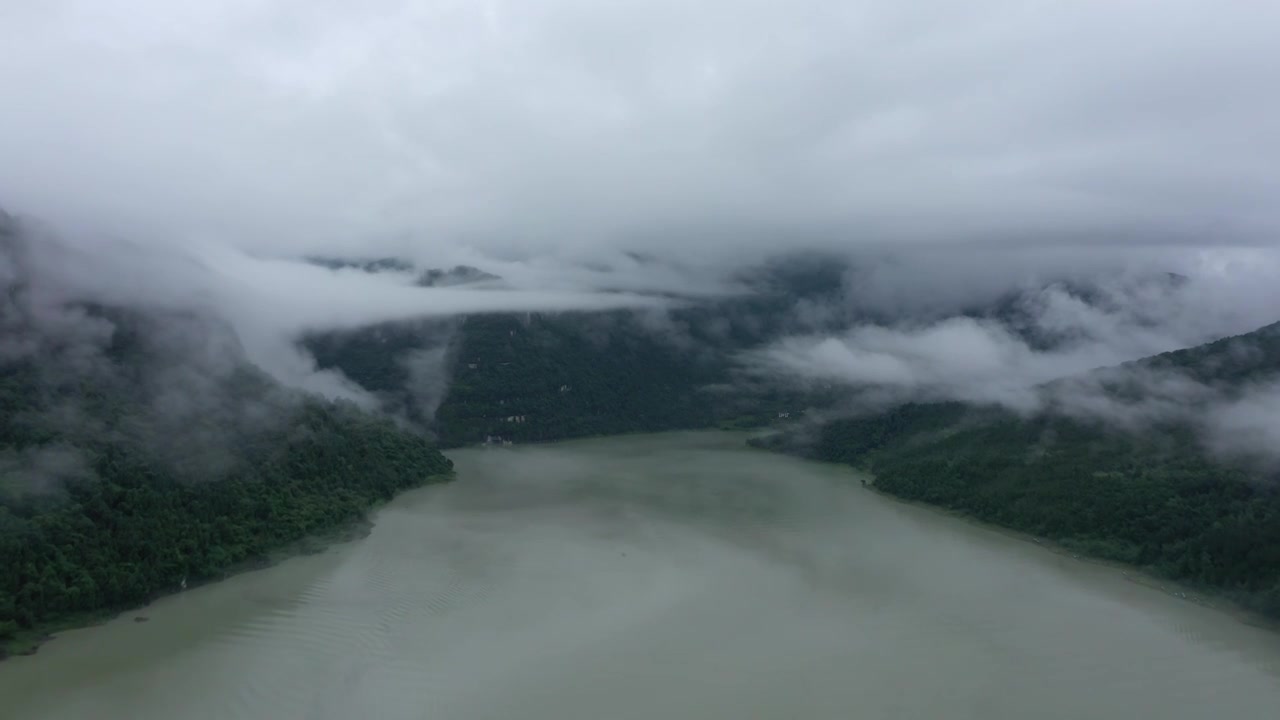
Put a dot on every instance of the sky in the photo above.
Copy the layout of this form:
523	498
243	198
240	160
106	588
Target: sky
955	149
703	129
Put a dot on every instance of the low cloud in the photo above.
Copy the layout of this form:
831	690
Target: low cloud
171	341
40	470
1067	350
959	358
1246	425
596	155
1004	353
719	130
268	302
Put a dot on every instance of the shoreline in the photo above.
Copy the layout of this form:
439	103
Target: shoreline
25	643
1208	598
1137	575
740	424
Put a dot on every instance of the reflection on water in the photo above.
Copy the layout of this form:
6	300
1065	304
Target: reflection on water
678	576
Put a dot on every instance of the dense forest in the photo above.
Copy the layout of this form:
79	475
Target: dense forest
98	511
131	528
531	377
405	365
546	376
140	453
135	458
1153	497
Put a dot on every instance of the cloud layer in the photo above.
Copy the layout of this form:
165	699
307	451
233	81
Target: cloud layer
268	302
705	130
1068	350
953	151
1037	334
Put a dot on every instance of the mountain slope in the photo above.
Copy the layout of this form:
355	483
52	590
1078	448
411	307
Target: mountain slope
1152	497
528	377
545	377
139	452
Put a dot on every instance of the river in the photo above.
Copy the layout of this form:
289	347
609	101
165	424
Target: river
664	576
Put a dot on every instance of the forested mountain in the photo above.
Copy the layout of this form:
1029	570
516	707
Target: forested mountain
545	376
524	377
431	277
457	275
139	452
1153	495
406	365
369	265
1229	363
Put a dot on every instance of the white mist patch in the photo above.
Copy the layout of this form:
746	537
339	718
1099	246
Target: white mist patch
268	303
1066	346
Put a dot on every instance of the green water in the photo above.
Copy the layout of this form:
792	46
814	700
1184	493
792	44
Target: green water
663	576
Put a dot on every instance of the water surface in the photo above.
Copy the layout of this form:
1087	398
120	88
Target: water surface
665	576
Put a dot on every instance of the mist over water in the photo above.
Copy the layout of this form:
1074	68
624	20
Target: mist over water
664	576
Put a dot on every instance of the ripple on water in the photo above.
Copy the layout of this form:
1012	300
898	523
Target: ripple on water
623	580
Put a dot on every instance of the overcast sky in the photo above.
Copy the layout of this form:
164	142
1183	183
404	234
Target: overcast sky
957	147
711	127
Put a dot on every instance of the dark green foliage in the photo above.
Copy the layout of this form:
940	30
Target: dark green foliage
536	377
135	456
532	378
134	530
539	376
1154	498
373	357
1230	362
527	377
403	364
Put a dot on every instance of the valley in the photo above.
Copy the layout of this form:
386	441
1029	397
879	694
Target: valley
641	576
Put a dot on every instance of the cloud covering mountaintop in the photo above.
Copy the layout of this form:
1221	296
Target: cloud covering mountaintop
593	154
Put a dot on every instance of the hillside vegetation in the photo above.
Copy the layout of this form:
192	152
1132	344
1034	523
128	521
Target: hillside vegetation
1154	498
532	377
139	453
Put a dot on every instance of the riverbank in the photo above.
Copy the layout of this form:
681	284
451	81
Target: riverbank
1172	512
570	580
1204	597
27	641
748	423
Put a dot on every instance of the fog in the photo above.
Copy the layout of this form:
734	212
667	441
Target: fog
265	303
569	126
1064	345
1014	194
593	155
